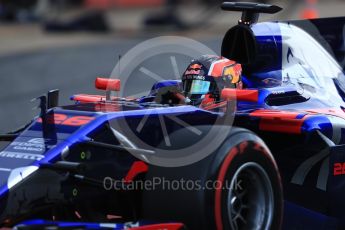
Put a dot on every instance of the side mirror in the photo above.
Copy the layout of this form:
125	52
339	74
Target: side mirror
245	95
108	85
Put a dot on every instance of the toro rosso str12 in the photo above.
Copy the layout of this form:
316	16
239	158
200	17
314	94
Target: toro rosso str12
278	142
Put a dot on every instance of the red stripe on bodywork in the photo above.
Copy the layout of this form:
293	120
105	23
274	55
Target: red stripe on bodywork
137	168
88	98
279	121
107	107
247	95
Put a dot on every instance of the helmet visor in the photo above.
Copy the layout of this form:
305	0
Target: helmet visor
196	87
199	87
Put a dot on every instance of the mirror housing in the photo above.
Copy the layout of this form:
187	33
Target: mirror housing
245	95
108	84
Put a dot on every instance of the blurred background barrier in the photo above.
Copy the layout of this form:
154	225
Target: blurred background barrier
310	10
65	44
92	15
123	3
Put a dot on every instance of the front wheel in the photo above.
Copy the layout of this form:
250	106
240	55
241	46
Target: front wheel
251	192
246	192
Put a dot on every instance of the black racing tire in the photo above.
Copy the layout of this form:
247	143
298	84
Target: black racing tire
242	156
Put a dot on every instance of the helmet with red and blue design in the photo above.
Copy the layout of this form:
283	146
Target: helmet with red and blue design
206	76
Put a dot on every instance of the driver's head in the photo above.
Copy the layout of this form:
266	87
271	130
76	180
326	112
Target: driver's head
208	75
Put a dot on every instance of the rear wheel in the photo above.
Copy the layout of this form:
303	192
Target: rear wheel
239	188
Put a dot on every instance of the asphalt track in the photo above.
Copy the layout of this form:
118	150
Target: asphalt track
24	76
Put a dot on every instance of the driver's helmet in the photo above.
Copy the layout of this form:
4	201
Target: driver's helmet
206	76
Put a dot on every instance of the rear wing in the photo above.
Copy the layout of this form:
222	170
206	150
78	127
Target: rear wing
250	10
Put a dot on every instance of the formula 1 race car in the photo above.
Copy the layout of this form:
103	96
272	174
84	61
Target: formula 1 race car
268	156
